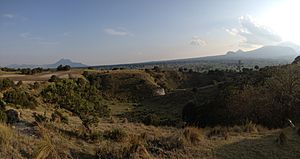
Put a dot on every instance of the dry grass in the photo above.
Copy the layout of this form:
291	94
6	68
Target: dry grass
282	139
50	146
250	127
132	149
6	135
217	132
46	148
193	134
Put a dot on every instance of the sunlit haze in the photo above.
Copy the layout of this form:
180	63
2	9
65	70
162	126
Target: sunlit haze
282	18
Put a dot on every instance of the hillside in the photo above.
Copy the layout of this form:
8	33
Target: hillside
85	113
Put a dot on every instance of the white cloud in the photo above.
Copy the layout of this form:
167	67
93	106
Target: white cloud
29	36
198	41
232	31
254	33
10	16
66	34
25	35
117	31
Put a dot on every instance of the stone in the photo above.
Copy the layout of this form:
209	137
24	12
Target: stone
13	116
159	92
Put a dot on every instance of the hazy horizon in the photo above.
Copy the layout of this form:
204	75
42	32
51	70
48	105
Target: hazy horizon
114	32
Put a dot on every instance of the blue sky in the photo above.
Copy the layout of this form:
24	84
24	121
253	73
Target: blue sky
99	32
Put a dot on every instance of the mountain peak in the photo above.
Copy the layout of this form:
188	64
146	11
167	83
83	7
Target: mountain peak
232	52
64	61
239	51
265	52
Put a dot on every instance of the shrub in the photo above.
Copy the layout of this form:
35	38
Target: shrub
152	119
131	150
53	78
92	136
281	139
192	134
6	83
2	104
63	68
167	143
19	83
82	99
40	118
21	98
115	134
237	129
250	127
35	85
28	71
56	115
218	132
88	120
109	152
189	113
3	116
156	69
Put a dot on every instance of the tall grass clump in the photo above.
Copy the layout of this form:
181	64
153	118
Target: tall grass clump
48	148
115	134
192	134
6	135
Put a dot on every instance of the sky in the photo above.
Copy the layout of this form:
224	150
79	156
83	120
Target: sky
98	32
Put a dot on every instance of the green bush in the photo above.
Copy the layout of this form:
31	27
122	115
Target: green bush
6	83
79	97
35	85
267	97
2	104
20	97
152	119
53	78
3	116
115	134
58	115
40	118
63	68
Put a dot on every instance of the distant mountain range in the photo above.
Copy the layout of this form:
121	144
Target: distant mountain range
282	53
54	65
266	52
